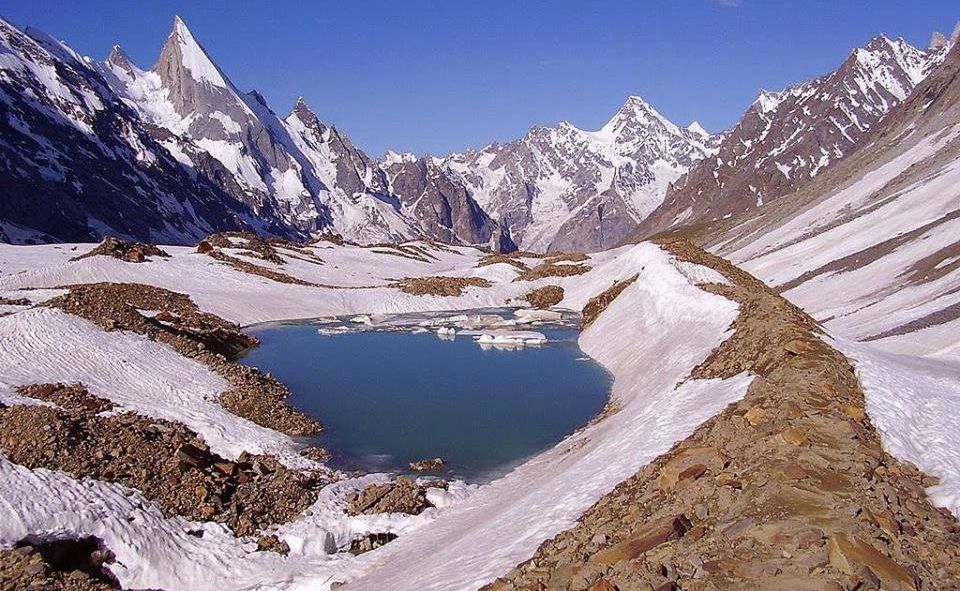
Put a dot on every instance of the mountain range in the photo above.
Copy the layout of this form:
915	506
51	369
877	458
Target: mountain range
175	152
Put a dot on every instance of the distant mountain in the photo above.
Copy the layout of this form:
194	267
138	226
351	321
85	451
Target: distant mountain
787	138
562	188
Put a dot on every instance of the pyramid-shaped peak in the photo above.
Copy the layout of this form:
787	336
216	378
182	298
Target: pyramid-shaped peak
120	59
183	49
938	40
636	112
303	112
697	129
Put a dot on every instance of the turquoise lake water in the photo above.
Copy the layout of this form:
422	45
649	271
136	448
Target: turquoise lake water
389	398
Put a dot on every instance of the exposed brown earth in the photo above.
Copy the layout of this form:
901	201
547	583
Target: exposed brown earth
165	461
256	247
439	286
248	267
787	489
544	297
65	565
204	337
131	252
512	259
551	269
573	257
260	247
598	303
14	301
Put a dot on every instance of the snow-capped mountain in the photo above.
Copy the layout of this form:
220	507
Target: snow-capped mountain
76	162
787	138
307	171
563	188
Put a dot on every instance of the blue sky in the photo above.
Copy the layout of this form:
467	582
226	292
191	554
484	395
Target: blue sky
434	77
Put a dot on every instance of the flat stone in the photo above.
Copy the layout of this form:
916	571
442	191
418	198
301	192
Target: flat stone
847	554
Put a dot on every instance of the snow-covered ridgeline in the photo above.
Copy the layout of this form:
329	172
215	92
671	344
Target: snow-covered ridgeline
649	339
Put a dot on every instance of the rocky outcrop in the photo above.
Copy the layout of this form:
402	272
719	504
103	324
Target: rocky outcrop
64	564
400	496
439	286
559	266
544	297
442	204
789	488
431	465
598	303
130	252
163	460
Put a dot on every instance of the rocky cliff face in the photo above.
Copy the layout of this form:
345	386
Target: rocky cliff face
787	138
431	193
562	188
77	162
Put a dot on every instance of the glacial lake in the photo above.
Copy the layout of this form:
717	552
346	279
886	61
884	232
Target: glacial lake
387	398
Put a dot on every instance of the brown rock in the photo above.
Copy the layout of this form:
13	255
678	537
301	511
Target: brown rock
427	465
603	585
695	471
848	554
798	347
854	412
794	436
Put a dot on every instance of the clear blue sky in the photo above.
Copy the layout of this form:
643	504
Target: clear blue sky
434	77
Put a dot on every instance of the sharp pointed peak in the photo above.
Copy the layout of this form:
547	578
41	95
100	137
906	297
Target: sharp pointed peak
303	112
182	46
179	25
119	57
698	129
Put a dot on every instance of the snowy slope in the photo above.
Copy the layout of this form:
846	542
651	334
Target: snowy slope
156	551
871	248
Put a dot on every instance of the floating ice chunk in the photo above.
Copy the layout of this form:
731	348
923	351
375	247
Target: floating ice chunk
508	339
446	333
332	330
528	315
362	319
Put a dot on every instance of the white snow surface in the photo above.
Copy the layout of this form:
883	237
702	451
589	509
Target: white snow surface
912	401
649	339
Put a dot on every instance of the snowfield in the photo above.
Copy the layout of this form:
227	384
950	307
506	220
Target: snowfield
649	338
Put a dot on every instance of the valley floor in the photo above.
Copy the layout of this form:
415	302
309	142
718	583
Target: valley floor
655	320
